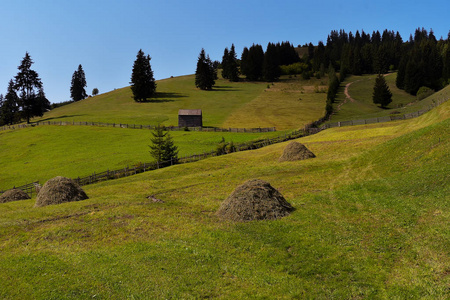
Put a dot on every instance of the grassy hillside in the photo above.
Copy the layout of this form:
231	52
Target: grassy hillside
222	107
370	222
41	153
362	106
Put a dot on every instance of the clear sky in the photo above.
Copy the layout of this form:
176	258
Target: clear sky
105	36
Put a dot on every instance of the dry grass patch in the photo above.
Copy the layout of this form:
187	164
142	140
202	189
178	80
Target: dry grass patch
296	151
59	190
13	195
254	200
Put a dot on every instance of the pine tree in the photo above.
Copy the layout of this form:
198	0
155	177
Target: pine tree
244	59
225	64
163	150
381	93
77	91
29	85
233	65
143	83
205	74
10	107
254	62
271	65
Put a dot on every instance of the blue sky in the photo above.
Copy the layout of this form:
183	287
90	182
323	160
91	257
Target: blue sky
105	36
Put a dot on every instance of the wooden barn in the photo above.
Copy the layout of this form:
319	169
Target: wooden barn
190	118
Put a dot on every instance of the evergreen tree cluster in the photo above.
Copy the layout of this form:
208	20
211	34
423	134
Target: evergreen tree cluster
421	61
426	62
259	65
205	73
25	97
77	91
230	66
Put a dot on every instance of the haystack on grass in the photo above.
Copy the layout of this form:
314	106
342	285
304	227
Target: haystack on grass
296	151
254	200
59	190
13	195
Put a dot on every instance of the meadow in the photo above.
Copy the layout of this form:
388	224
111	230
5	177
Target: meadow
40	153
370	219
224	106
361	90
362	228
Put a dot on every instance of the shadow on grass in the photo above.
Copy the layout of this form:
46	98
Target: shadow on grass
56	118
164	97
223	88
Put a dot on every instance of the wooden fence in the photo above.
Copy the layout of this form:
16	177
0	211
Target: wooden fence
311	128
29	188
385	118
137	126
148	166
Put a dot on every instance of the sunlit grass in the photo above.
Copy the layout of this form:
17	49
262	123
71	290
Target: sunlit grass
370	222
41	153
363	107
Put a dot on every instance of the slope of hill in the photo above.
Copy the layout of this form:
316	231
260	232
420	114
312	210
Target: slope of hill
358	104
370	222
218	105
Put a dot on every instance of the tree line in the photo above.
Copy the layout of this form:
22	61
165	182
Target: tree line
421	61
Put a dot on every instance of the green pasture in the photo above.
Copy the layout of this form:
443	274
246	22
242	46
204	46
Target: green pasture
371	222
221	107
361	91
43	152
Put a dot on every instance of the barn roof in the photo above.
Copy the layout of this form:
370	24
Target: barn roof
190	112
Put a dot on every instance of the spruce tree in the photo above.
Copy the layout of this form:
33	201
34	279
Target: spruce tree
29	86
271	64
10	107
205	73
244	61
225	64
77	91
254	62
381	93
163	150
233	68
143	83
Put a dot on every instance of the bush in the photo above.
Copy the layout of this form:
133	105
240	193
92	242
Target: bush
424	92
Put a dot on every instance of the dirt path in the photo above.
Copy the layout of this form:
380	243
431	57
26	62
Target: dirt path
347	94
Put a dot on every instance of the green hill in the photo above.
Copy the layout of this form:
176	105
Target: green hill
370	222
278	106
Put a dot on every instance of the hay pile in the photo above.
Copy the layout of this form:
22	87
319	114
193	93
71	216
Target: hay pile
254	200
59	190
13	195
296	151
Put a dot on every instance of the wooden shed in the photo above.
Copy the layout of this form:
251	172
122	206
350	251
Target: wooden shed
190	118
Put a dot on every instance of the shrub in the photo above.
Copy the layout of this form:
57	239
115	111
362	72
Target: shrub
424	92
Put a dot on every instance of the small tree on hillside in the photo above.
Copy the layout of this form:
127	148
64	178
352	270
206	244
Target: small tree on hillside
163	150
142	82
205	74
381	93
77	91
95	92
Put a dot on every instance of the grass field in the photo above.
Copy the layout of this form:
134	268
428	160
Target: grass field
41	153
222	107
370	222
363	107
